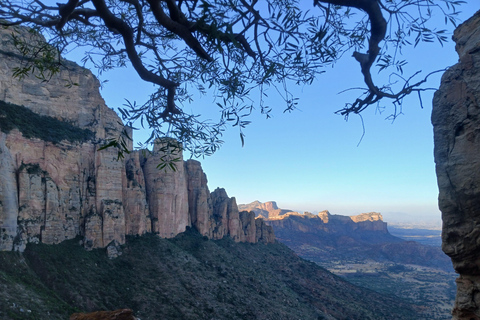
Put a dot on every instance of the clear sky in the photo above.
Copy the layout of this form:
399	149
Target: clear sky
309	160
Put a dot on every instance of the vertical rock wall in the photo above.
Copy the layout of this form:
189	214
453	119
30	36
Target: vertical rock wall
199	200
166	191
53	191
456	121
137	211
9	198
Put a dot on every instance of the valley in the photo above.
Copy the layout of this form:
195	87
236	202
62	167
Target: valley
186	277
362	250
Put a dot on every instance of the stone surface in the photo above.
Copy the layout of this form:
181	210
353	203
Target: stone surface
456	121
249	228
264	232
225	216
137	211
167	193
9	198
199	200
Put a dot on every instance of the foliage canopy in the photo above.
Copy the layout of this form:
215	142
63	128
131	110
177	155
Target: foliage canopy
230	48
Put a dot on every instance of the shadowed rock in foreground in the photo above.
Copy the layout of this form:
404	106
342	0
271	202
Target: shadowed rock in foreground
456	121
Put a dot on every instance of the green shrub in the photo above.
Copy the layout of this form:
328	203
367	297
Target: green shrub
33	125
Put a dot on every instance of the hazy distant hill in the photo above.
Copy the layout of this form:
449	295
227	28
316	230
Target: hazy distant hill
432	237
326	237
187	277
362	250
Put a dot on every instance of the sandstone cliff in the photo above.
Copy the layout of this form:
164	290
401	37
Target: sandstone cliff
456	121
323	221
55	183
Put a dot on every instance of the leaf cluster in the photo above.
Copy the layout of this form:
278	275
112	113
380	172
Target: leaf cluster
232	50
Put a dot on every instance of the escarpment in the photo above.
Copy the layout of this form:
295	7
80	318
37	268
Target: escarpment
456	121
55	183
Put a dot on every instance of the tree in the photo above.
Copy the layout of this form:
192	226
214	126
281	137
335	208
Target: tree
230	48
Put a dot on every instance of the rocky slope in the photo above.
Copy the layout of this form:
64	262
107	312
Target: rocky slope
364	237
456	121
186	277
55	183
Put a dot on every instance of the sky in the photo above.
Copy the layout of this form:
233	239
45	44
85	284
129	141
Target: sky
311	159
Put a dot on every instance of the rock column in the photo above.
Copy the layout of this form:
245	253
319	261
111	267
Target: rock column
456	121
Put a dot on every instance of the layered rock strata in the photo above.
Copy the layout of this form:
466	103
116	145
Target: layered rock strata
55	183
323	221
456	121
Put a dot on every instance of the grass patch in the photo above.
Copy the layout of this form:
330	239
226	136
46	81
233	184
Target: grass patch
33	125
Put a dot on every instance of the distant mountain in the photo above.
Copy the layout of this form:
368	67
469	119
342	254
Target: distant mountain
326	237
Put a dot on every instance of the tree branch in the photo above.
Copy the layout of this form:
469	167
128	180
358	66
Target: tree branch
113	22
65	10
179	29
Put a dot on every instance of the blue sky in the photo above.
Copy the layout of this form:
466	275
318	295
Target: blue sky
308	160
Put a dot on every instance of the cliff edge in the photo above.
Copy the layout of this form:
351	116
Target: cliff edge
55	183
456	122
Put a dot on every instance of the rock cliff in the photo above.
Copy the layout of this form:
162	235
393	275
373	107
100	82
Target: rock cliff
326	237
456	121
55	183
323	221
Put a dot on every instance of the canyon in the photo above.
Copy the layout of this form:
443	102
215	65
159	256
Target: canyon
326	237
57	183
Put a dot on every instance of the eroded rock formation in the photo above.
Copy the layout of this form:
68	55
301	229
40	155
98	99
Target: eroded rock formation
456	121
323	221
55	183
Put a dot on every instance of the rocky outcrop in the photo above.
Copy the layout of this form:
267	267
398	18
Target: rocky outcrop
267	209
265	232
323	221
456	121
137	210
166	191
199	200
226	220
56	183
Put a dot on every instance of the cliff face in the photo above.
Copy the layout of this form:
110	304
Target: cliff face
55	183
323	221
456	121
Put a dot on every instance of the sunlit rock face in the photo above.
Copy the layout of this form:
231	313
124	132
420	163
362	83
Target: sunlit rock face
456	121
57	189
323	221
167	193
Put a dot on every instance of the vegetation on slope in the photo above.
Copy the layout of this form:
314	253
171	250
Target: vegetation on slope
188	277
33	125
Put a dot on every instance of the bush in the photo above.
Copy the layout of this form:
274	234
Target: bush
33	125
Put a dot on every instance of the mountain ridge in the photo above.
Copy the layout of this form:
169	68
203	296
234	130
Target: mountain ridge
327	237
